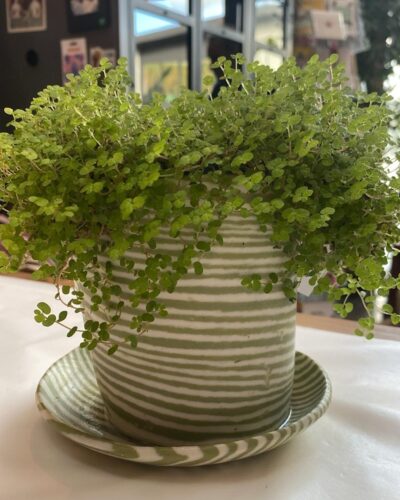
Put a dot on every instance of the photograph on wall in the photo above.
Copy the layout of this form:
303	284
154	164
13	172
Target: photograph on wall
84	15
73	56
97	53
26	15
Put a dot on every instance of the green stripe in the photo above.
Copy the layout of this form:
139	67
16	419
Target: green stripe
261	242
218	290
266	305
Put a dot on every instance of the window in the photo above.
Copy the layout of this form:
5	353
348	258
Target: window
171	43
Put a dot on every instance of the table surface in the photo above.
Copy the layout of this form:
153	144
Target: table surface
352	453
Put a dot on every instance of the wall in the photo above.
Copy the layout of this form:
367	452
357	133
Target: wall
19	81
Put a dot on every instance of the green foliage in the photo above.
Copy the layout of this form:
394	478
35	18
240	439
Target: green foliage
91	171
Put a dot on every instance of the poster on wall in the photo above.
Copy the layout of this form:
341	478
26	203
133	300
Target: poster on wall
73	56
328	25
26	15
84	15
349	9
97	53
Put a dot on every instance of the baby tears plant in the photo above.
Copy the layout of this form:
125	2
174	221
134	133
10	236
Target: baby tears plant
91	172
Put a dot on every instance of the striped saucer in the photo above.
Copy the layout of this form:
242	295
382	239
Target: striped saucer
68	397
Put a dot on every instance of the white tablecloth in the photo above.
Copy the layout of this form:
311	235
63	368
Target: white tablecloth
352	453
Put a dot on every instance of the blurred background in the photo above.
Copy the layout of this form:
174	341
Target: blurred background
171	43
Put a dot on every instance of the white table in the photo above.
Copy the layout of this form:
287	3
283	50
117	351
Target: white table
352	453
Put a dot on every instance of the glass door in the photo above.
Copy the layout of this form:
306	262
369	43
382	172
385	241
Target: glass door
171	43
161	54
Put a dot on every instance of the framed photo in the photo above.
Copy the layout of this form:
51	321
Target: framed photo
85	15
73	56
26	15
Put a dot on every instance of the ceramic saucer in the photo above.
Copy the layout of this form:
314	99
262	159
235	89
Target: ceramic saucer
69	399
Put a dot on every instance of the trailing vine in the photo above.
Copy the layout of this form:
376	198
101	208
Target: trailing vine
91	172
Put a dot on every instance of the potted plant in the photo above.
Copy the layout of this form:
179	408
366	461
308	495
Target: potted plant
187	229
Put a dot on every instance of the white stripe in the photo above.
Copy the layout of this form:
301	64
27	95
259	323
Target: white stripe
225	298
216	249
205	352
218	259
240	328
236	229
229	268
266	314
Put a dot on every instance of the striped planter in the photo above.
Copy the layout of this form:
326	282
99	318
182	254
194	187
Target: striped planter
220	366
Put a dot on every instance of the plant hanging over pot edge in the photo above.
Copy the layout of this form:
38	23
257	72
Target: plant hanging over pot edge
90	171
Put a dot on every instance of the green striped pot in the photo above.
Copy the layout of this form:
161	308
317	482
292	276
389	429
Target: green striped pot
220	365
